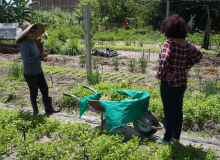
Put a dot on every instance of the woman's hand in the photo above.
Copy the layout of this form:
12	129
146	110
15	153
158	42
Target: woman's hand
44	56
169	76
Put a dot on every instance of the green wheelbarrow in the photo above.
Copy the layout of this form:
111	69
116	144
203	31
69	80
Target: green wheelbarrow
146	124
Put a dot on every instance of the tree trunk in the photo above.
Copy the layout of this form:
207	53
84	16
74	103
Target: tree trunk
205	43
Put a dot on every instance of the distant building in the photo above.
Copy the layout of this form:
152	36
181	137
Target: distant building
63	4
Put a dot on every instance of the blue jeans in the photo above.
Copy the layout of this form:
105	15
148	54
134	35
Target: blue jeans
172	98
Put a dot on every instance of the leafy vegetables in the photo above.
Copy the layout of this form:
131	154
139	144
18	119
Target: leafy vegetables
114	96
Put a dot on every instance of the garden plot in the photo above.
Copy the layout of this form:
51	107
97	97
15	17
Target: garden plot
201	110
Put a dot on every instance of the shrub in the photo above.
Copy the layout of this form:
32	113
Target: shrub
72	48
53	45
94	77
16	70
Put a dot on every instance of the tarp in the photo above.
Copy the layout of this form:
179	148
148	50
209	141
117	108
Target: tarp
106	53
119	113
9	31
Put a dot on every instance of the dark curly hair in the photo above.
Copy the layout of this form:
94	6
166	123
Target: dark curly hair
174	27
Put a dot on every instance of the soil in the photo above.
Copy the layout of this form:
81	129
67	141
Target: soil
210	65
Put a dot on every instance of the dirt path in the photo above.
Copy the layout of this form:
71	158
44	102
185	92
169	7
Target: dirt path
128	131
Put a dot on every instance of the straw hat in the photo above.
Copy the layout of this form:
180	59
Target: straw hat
26	26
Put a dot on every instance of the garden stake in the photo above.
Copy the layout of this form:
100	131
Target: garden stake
23	131
51	79
149	55
85	155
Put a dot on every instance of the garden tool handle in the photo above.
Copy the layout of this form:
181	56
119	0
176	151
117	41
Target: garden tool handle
89	88
66	94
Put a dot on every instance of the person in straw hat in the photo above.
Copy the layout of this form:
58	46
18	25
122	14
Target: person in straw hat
33	72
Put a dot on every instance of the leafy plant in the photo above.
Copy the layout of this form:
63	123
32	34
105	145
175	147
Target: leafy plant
16	70
95	63
115	62
94	77
63	60
131	64
143	63
72	48
127	43
114	96
82	60
197	69
209	87
52	45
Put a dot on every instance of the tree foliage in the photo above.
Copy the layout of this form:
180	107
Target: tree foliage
15	11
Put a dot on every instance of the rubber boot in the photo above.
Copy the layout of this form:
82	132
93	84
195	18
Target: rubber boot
48	106
35	108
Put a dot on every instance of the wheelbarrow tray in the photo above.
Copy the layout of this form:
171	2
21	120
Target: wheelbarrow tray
95	104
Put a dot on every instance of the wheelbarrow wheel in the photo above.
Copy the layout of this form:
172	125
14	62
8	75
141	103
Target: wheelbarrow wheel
149	118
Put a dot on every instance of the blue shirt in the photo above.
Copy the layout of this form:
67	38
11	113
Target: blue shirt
31	57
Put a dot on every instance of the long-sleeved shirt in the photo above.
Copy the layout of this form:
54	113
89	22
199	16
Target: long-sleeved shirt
175	59
31	57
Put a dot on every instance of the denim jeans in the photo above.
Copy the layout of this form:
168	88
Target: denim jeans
172	98
34	82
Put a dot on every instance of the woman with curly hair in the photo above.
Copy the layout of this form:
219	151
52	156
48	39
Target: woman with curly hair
176	56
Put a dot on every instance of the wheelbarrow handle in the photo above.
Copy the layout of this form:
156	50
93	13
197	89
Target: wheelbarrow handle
89	88
70	95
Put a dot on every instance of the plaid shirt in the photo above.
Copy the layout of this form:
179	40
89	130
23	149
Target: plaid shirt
175	59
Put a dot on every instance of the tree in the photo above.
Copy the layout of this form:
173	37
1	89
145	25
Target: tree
16	11
23	10
116	11
6	11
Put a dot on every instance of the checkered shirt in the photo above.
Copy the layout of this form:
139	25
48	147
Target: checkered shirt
175	59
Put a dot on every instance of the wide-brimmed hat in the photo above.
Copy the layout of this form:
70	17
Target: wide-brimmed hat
26	26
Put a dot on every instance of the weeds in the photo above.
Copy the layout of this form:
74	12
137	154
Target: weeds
143	63
16	70
95	63
82	60
127	43
115	62
72	48
94	77
132	64
197	69
141	43
63	60
209	87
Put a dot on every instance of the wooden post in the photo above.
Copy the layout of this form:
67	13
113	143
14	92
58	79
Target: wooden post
168	8
205	43
143	49
87	13
135	22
